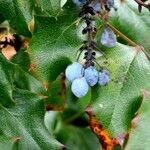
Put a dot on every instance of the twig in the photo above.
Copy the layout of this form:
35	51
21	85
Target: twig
141	3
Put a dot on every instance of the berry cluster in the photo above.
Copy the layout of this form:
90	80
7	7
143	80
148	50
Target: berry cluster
96	5
82	78
108	37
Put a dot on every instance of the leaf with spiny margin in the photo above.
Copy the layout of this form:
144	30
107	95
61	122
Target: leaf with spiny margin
115	104
24	80
25	123
18	13
13	76
54	44
133	24
140	132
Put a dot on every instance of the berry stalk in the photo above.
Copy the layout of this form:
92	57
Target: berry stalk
86	15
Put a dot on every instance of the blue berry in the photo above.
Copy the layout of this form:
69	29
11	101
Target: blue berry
108	38
80	3
104	77
95	5
79	87
74	71
91	75
110	3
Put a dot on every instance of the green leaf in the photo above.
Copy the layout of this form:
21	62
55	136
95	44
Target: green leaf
133	24
24	80
22	59
18	13
22	77
75	106
51	7
57	94
13	76
115	104
54	44
77	138
72	137
1	18
6	82
5	143
51	119
25	122
139	134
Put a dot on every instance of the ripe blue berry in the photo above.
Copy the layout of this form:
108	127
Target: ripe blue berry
104	77
91	75
110	3
74	71
79	87
80	3
108	38
95	5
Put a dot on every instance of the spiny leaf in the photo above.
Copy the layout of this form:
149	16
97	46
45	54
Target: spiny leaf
115	104
12	75
24	80
25	122
54	44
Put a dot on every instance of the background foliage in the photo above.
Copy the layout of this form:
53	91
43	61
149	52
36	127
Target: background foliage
37	108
